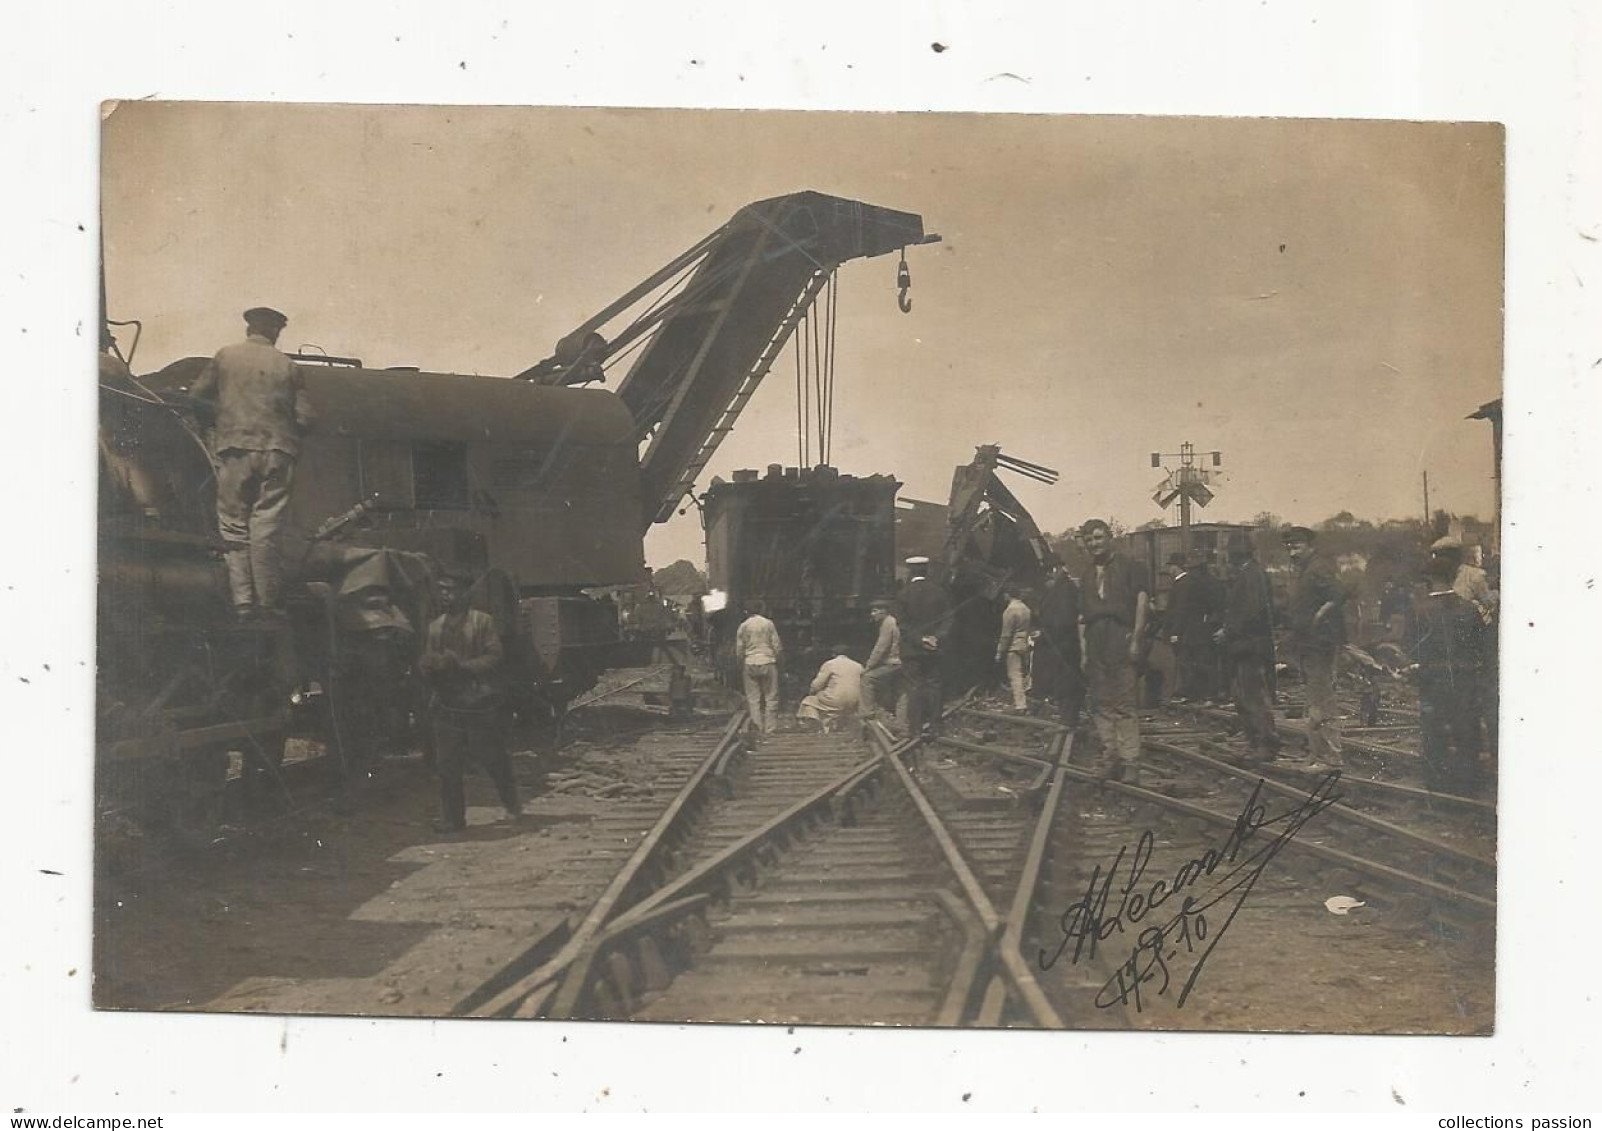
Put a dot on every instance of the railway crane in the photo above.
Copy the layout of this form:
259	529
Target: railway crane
544	488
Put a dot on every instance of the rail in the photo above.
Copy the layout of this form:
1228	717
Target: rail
525	985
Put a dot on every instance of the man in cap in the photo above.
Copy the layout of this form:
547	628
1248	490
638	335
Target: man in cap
924	623
1318	631
881	676
1447	639
461	659
1113	603
261	413
1012	647
1247	636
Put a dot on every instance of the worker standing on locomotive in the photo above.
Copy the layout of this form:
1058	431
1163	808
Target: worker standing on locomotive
1012	647
924	623
262	412
758	649
881	676
1113	604
461	658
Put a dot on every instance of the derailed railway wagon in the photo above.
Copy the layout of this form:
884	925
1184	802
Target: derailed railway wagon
813	547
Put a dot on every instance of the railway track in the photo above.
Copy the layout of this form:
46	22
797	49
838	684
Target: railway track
1428	876
824	879
833	879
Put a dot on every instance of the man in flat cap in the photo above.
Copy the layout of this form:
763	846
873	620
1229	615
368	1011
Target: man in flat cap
1113	604
262	412
1318	631
925	622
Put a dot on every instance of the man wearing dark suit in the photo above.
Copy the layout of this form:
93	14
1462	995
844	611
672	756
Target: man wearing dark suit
1058	674
1247	636
1190	623
925	621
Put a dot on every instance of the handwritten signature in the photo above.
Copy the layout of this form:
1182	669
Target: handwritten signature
1086	923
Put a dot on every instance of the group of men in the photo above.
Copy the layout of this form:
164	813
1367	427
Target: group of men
1082	644
259	413
1086	639
906	656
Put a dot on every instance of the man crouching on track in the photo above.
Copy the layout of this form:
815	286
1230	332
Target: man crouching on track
460	659
836	692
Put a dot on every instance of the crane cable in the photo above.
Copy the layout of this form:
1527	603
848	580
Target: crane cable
814	346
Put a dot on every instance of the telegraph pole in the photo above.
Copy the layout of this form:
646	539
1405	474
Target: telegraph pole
1429	517
1187	482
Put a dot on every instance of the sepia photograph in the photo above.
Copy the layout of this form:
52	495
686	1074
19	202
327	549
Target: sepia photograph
935	570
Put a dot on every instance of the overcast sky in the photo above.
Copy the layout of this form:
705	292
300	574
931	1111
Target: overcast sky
1319	300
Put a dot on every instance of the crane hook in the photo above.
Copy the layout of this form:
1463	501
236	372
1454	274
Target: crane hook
904	284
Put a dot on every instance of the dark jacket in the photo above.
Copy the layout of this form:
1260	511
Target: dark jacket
1116	598
1059	618
1316	585
925	611
1192	607
1249	614
1447	636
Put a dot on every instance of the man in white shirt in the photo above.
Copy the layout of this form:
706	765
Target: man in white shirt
758	649
1013	647
836	691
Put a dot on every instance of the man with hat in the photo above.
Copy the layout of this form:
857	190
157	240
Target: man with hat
924	623
461	659
1318	631
261	413
881	676
1113	603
